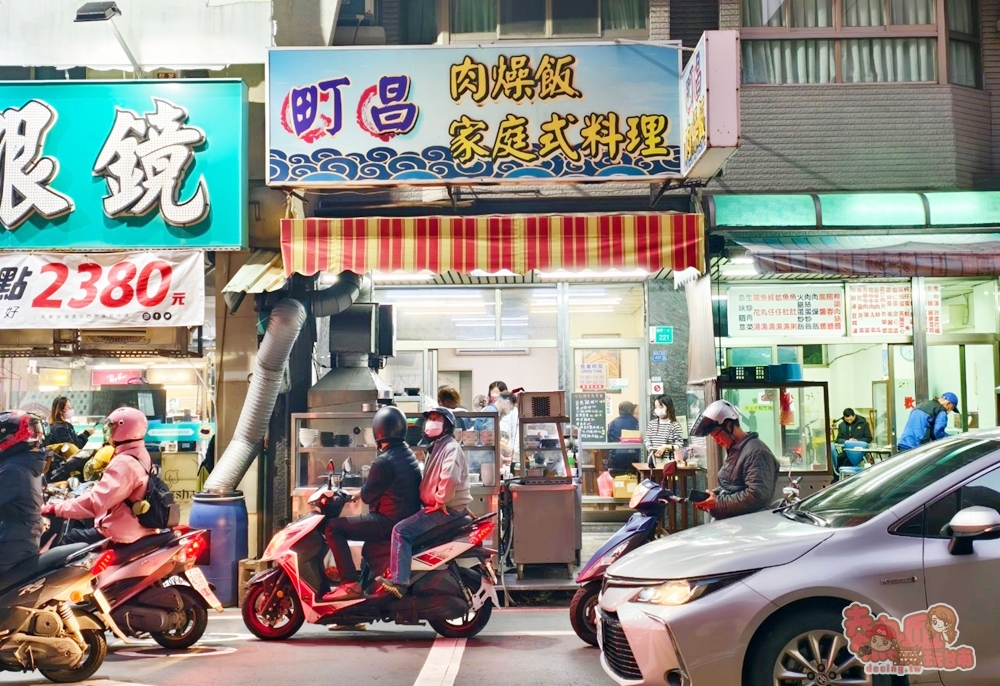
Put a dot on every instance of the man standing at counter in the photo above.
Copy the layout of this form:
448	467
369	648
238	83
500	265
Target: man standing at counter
928	421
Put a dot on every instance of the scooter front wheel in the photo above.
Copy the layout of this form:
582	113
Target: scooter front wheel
274	621
583	612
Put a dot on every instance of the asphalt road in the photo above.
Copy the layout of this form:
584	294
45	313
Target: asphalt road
520	647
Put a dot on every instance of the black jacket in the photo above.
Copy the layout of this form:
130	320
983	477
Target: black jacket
856	431
62	432
393	485
747	480
20	506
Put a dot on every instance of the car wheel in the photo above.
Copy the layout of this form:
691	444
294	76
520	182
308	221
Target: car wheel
809	647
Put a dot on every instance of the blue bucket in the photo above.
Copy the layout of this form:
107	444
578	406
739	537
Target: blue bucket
855	455
226	517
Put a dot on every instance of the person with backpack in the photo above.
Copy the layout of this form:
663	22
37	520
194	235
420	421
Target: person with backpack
122	489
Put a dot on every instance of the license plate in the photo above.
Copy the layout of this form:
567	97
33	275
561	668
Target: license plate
200	584
102	602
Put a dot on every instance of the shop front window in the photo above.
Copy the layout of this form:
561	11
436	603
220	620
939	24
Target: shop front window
528	314
597	311
474	19
466	314
961	306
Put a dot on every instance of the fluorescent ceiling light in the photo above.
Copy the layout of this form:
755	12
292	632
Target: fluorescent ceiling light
741	260
400	275
479	273
739	272
563	274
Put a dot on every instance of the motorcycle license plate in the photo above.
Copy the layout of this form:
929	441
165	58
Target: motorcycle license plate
200	584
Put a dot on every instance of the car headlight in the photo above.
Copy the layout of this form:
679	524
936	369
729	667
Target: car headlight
682	591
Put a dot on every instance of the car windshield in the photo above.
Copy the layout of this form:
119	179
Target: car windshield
866	495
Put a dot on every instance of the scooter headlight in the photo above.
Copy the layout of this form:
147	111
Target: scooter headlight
639	493
683	591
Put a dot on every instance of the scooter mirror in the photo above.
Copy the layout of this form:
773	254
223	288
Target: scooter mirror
348	466
73	483
670	468
329	474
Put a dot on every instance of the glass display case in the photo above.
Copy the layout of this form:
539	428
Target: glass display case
543	457
793	419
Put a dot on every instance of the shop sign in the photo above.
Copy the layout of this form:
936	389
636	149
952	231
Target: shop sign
782	310
180	431
101	290
661	335
592	376
115	377
887	309
92	165
61	378
437	115
172	377
710	126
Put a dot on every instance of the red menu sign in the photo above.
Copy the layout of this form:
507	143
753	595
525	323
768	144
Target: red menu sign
887	309
115	377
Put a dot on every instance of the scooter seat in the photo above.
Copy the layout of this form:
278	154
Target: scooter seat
40	564
147	544
443	534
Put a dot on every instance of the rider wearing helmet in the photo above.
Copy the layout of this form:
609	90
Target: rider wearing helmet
444	493
392	493
749	474
125	480
21	463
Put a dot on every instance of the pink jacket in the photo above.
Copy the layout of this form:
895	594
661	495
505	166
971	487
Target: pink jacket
125	478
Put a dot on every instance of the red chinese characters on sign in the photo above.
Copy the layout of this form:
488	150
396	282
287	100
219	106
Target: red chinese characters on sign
115	377
881	309
921	640
765	311
933	300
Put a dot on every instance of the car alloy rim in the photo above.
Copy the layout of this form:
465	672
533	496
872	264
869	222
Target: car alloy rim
819	658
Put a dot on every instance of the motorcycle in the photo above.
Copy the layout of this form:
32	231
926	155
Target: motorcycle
55	528
649	501
453	586
153	586
46	619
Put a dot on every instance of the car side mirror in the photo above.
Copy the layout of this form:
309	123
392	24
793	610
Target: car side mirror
972	524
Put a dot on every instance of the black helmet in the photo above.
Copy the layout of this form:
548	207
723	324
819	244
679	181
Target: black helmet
389	425
19	431
449	418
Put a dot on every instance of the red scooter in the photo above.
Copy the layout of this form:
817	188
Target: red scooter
453	588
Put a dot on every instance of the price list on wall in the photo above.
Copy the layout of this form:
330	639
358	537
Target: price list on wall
590	416
765	311
887	309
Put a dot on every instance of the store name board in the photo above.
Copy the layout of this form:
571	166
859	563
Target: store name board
887	309
101	290
435	115
115	377
172	377
61	378
160	149
710	104
770	310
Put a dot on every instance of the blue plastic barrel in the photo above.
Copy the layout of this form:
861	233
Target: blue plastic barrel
226	517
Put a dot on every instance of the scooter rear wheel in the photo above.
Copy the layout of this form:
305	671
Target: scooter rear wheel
194	628
583	612
286	612
97	650
473	621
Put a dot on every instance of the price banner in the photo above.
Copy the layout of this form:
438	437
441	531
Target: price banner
101	291
800	309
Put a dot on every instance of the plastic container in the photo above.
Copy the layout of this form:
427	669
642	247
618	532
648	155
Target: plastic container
226	517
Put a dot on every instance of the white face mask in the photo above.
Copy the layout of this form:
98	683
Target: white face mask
660	412
433	428
69	414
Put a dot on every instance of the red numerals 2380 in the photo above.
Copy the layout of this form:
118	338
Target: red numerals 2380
119	290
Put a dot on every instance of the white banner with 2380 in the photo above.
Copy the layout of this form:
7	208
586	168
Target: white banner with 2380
102	290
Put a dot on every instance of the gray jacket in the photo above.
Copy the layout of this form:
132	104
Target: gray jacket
446	475
747	480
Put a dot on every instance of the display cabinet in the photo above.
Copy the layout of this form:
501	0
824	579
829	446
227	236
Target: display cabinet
543	458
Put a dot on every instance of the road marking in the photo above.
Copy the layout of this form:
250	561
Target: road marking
196	651
443	661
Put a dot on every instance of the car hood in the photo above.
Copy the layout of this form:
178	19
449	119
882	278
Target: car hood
755	541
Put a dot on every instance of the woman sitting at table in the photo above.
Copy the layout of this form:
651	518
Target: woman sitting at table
663	432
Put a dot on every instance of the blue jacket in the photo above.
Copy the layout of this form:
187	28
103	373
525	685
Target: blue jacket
927	423
621	460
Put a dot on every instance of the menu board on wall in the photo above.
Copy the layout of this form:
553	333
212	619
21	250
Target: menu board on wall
887	309
798	309
590	416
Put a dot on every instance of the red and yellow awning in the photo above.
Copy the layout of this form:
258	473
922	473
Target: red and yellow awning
518	243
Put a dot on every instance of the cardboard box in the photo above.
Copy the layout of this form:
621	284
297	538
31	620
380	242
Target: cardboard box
624	485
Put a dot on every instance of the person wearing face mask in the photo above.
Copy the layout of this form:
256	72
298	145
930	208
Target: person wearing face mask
496	388
60	428
444	493
662	431
506	405
749	475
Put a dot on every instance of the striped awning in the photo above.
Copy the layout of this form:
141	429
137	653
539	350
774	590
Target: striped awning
517	243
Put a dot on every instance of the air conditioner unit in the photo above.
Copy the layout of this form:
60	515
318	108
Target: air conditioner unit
492	352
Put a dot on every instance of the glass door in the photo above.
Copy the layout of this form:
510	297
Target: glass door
880	401
968	371
902	396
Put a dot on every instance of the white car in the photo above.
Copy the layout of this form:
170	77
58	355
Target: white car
761	599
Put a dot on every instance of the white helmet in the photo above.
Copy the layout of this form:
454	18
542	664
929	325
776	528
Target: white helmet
715	417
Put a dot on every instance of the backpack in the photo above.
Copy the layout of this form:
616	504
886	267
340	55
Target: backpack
157	509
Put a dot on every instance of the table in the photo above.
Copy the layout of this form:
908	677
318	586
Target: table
681	483
872	453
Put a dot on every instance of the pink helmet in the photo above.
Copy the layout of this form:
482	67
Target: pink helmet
127	424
